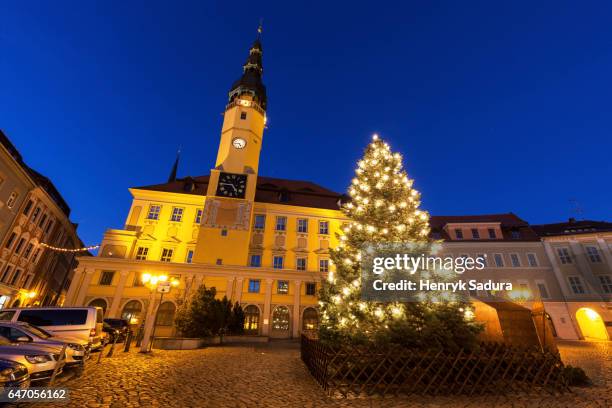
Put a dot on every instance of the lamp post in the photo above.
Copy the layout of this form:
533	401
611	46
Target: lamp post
155	283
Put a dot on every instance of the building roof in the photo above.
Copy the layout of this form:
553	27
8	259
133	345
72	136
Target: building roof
572	227
269	190
513	227
38	178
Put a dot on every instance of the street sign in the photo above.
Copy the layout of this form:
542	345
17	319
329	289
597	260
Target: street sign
163	287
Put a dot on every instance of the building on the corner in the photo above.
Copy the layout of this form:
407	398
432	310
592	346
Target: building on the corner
32	213
580	253
265	242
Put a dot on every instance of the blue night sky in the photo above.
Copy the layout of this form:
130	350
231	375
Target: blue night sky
497	107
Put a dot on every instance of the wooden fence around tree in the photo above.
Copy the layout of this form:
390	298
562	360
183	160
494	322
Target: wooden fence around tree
492	369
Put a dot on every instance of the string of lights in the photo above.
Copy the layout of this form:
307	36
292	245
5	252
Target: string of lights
72	250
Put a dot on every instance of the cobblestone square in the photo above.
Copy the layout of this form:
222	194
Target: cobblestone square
272	375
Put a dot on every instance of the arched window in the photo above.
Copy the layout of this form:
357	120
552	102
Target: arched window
310	320
131	311
280	318
251	320
99	303
165	314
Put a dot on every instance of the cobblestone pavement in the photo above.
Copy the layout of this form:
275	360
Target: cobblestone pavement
274	376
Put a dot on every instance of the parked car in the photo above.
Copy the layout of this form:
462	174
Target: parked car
40	360
84	323
21	332
116	327
13	374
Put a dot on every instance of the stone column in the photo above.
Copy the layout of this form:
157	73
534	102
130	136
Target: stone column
80	297
265	330
238	289
74	286
150	321
112	312
297	314
229	289
605	250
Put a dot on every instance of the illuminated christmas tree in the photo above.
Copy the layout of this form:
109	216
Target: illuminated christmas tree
384	208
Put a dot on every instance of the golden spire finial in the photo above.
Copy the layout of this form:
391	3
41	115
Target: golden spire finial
260	28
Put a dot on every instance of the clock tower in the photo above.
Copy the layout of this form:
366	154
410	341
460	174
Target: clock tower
225	230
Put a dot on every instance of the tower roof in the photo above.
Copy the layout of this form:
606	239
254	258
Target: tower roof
251	80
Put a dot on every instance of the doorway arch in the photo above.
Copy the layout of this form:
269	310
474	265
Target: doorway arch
591	324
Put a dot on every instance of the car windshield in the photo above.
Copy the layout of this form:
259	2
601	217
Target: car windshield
37	331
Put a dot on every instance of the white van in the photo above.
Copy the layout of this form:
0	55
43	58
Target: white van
81	322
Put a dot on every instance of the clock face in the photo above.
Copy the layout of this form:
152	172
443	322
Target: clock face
232	185
239	143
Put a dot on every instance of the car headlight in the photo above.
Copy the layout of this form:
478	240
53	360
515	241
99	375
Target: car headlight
38	359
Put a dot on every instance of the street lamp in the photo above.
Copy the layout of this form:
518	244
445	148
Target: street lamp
160	284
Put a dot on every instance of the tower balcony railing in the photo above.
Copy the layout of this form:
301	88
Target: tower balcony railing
245	103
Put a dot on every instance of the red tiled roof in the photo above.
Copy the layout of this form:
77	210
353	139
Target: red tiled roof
509	223
269	190
572	227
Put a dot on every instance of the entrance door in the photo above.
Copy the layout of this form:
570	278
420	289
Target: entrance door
591	324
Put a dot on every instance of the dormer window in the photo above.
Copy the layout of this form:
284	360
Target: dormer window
243	115
515	234
459	233
475	233
492	234
283	196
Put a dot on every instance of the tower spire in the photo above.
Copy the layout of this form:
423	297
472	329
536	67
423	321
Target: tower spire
251	80
175	167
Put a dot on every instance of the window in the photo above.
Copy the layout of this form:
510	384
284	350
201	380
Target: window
324	227
54	317
302	225
35	256
16	277
278	262
255	261
300	264
458	233
254	285
311	289
564	256
6	273
515	234
11	239
219	261
475	233
107	278
101	303
165	314
224	232
19	245
499	260
492	234
137	280
310	320
260	221
198	217
606	283
280	318
251	319
49	226
177	214
514	259
28	280
35	214
282	287
141	253
154	210
533	261
189	256
243	115
28	207
131	311
42	221
28	250
593	254
166	255
11	200
543	290
576	284
281	223
323	265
